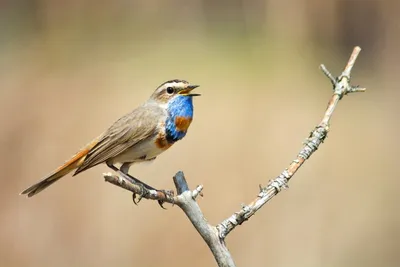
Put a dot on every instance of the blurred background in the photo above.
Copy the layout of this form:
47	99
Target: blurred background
70	68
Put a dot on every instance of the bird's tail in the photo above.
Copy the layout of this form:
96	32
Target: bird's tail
63	170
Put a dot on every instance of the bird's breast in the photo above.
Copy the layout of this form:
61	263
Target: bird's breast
172	130
182	123
176	128
161	140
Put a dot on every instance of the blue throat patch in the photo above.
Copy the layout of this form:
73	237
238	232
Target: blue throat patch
180	106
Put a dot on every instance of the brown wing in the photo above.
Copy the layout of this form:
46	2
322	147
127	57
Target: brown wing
123	134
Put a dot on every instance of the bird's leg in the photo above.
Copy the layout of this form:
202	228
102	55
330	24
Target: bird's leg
109	165
124	169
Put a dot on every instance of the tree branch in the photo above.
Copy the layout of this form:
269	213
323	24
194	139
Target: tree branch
341	87
186	200
121	180
214	236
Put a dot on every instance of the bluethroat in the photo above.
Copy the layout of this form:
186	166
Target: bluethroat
140	135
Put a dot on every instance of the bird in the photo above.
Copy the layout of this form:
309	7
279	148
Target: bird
140	135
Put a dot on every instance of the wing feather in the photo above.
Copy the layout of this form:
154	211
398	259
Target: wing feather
129	130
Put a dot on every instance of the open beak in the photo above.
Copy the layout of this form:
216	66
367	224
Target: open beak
188	89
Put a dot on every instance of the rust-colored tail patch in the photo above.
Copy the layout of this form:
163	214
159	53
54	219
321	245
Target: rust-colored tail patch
61	171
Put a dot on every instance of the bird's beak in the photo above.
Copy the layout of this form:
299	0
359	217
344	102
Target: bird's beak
188	89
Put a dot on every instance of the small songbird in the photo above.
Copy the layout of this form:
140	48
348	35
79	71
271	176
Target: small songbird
140	135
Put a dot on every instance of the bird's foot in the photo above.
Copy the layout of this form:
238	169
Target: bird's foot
140	195
144	190
169	194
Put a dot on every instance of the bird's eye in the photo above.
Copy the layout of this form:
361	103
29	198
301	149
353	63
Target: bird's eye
170	90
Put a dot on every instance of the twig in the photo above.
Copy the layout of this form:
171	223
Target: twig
341	87
214	236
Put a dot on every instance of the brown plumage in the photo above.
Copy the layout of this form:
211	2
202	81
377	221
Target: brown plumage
122	135
133	138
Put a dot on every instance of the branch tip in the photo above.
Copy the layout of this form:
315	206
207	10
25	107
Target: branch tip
197	192
180	182
328	74
357	89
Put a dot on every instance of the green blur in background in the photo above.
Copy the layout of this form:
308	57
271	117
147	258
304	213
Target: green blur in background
68	69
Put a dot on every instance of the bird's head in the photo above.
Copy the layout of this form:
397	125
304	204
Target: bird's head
173	89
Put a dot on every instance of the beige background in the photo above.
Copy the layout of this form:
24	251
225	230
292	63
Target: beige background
68	69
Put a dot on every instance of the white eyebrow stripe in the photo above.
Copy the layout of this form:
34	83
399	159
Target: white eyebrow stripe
174	84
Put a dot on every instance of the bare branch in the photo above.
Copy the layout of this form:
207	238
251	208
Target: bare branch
214	236
341	87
